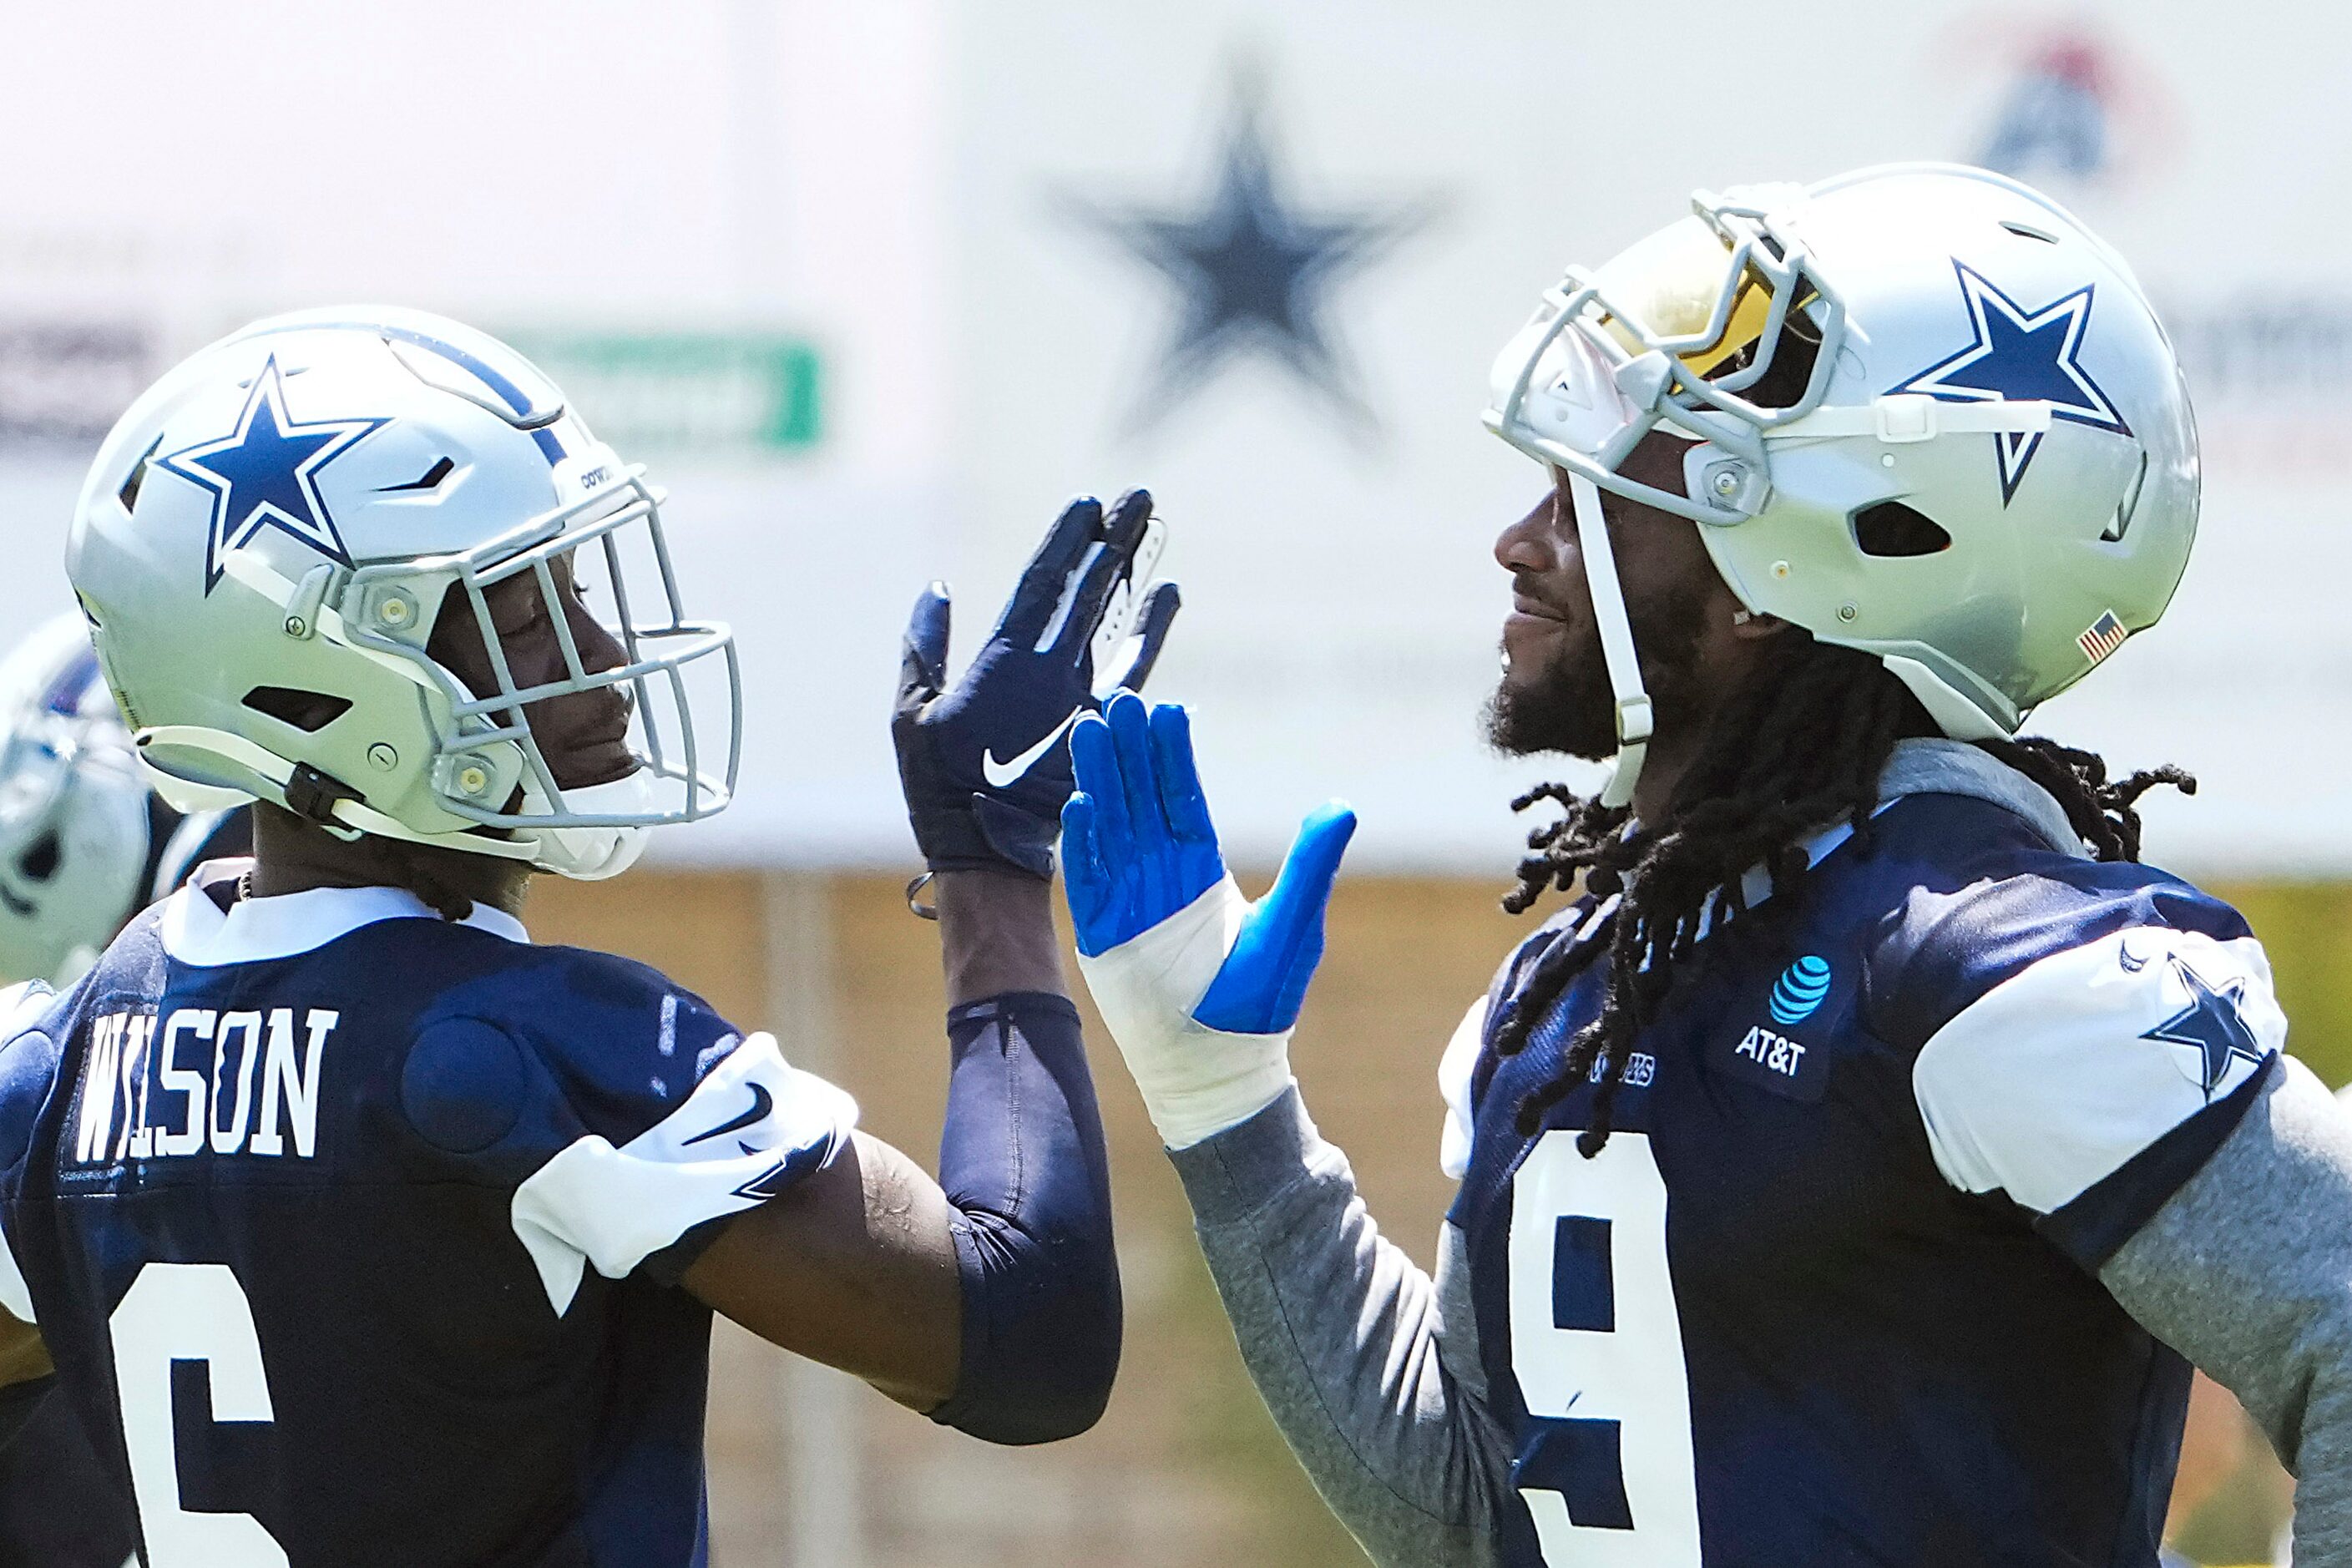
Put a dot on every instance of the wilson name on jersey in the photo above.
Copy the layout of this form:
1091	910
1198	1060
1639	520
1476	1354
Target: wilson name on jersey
1829	1293
356	1233
201	1047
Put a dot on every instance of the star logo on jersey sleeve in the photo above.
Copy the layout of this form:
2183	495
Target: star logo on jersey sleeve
2210	1025
2021	357
265	474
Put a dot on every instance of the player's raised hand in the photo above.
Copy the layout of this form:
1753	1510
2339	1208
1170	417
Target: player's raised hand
1263	982
1199	988
1138	844
983	765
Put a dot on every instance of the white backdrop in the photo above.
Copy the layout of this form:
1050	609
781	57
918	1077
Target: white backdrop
1343	603
943	197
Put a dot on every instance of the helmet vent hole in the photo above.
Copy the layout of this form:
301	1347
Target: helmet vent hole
308	711
430	479
1890	528
38	863
2026	231
2114	532
129	494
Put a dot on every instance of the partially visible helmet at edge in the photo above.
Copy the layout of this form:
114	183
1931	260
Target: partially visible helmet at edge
74	822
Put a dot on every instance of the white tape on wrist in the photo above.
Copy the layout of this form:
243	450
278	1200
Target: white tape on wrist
1196	1081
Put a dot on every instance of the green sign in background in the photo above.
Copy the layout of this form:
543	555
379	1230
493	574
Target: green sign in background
749	393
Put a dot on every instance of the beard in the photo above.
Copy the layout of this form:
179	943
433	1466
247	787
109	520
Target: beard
1565	703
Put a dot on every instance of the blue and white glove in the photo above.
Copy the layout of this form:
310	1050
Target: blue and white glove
984	767
1200	986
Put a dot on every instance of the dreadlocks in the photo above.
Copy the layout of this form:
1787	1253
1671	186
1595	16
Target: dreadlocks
1798	747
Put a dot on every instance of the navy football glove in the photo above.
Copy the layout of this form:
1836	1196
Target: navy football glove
986	767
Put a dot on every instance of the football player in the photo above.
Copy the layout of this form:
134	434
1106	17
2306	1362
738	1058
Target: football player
1853	1170
359	1229
84	846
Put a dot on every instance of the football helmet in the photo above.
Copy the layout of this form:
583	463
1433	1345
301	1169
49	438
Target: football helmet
1928	414
269	535
74	827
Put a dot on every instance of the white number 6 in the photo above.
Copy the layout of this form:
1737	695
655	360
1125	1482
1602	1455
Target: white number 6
187	1311
1597	1347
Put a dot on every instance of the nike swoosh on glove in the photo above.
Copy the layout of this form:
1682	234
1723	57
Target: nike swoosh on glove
1199	988
983	765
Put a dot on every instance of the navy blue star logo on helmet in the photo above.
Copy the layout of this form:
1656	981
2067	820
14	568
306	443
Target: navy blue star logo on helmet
2210	1026
265	474
2021	357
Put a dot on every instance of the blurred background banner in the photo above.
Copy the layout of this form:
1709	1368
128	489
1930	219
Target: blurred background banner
1261	257
874	287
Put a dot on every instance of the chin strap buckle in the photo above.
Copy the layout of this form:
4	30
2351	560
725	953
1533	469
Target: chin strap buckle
312	794
1635	722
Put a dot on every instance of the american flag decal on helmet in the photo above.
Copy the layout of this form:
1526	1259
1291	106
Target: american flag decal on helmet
2105	636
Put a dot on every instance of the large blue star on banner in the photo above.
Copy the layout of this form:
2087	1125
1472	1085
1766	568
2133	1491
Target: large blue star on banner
1254	272
2021	357
265	473
2210	1025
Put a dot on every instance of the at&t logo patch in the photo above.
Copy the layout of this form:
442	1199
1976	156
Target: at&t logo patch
1768	1056
1800	989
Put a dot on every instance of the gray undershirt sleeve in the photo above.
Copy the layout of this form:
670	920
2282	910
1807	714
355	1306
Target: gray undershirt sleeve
1369	1368
2247	1271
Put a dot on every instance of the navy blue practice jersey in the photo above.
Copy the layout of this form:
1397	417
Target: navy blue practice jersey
58	1507
1829	1294
355	1233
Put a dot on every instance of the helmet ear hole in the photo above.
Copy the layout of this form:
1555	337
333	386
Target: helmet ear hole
1892	529
308	711
38	863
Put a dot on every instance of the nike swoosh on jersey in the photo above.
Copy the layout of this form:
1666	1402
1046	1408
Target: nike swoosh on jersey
761	1103
1001	774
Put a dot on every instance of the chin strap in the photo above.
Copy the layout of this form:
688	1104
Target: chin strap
333	809
584	853
1634	715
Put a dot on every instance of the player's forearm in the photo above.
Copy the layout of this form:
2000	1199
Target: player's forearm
996	935
1369	1367
850	1266
1027	1180
2247	1271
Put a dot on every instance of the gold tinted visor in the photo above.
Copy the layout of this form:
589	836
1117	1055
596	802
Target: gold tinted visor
1714	329
1671	287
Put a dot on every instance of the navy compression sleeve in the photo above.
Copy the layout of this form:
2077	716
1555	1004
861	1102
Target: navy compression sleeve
1022	1163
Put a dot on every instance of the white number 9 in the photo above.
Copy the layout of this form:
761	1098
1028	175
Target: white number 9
1597	1347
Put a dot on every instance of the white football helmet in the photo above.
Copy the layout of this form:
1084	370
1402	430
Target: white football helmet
1930	416
282	519
74	824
